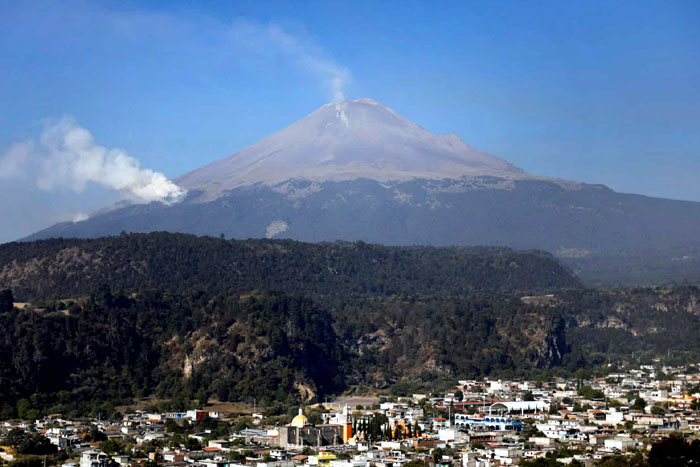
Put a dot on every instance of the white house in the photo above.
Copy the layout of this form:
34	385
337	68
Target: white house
619	444
93	458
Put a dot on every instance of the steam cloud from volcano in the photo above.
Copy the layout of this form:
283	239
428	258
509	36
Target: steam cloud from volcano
67	156
272	38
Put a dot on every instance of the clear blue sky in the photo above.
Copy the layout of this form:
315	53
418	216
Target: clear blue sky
602	92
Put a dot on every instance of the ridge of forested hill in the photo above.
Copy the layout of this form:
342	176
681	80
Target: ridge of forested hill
188	318
91	354
105	349
166	261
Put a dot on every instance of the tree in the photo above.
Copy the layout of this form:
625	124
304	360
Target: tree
111	446
623	461
14	437
639	404
242	423
417	431
172	427
26	442
415	463
93	434
540	462
23	407
589	393
30	461
438	453
674	451
459	395
6	300
192	444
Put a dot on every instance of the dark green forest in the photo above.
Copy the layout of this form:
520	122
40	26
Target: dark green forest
187	319
275	347
66	267
89	355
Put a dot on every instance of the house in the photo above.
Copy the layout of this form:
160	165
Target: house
218	463
196	415
355	462
173	456
221	444
440	423
94	458
508	455
619	444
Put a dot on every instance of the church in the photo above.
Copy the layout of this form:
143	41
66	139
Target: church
300	432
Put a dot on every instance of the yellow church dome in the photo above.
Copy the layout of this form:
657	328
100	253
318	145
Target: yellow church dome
300	420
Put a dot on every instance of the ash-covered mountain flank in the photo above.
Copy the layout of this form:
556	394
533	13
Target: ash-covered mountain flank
351	140
357	170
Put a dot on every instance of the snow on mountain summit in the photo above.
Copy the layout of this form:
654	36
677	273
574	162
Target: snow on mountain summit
345	141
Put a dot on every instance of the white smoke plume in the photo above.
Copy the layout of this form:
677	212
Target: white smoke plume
80	216
68	157
13	161
266	38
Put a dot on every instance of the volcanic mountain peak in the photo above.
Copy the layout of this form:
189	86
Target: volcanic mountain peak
357	170
345	141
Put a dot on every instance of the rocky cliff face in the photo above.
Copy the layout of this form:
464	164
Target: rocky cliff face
620	324
277	347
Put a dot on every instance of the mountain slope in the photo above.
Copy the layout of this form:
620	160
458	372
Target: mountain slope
104	349
347	141
359	171
186	262
108	348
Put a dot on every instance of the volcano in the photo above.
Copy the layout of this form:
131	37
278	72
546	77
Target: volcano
357	170
350	140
